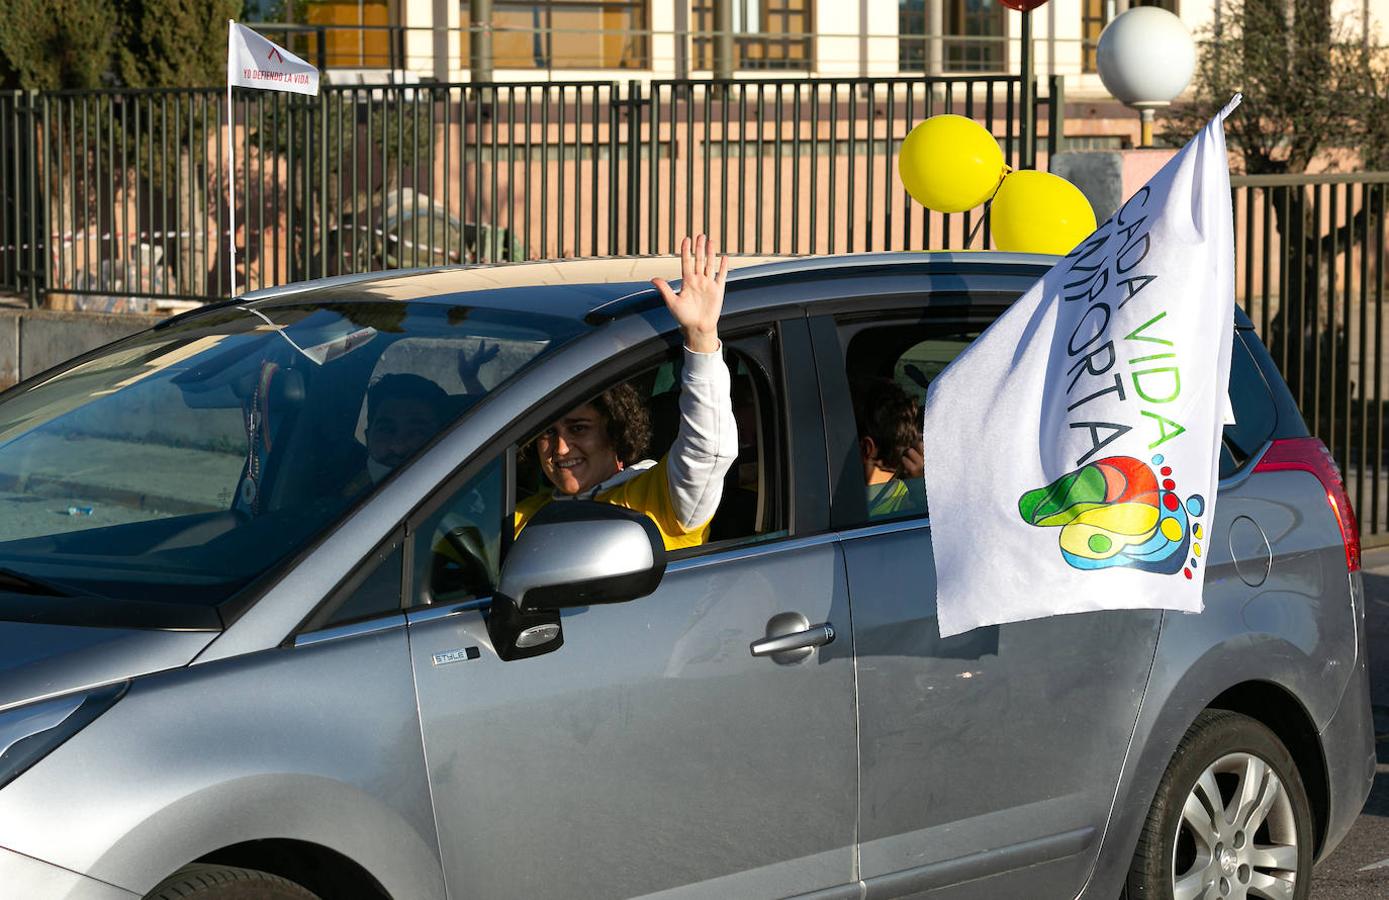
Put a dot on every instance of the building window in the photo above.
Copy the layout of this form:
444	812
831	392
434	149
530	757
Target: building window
973	36
1095	15
356	33
768	34
567	34
974	41
913	48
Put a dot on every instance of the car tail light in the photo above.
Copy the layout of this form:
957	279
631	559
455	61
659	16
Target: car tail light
1308	454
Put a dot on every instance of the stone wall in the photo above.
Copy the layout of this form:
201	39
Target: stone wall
33	340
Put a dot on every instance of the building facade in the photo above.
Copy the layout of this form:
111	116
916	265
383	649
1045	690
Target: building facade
575	40
369	41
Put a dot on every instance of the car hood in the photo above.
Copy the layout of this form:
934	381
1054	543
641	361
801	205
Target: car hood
43	660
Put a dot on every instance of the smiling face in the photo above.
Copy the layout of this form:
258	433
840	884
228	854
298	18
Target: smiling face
576	452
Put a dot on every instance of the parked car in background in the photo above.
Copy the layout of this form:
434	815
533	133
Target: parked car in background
238	658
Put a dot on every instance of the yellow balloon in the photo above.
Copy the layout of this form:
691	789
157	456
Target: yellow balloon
950	164
1038	212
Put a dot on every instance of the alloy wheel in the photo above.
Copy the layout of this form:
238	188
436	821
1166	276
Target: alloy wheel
1237	836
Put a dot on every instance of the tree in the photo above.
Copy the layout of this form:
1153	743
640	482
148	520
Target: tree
174	43
1303	74
53	44
49	44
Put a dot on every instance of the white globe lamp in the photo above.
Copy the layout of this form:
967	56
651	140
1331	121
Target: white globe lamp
1146	58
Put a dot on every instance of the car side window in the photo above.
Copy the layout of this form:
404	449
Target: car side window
373	590
752	505
457	550
1251	404
889	366
884	362
455	556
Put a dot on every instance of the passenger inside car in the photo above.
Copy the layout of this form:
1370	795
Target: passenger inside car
403	413
889	436
595	451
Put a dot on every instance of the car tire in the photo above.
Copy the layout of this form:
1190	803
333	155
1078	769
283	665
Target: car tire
1193	841
209	882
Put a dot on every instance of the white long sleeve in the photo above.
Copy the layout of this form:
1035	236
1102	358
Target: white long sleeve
707	441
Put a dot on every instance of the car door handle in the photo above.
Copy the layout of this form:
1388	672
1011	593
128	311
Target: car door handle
814	636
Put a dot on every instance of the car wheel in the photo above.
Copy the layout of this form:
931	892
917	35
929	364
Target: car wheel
207	882
1230	821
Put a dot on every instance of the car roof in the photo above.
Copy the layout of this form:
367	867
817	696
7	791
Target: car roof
597	290
583	288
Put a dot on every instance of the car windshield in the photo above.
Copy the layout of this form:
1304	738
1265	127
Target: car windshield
176	466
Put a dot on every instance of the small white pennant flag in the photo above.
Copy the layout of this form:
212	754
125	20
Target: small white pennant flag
1072	451
254	62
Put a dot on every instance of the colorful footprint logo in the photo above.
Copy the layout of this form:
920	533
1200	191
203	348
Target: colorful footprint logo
1114	512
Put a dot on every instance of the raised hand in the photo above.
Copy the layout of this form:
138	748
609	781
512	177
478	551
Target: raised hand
913	463
700	300
470	364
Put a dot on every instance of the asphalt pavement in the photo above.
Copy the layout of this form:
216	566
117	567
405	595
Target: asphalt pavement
1359	868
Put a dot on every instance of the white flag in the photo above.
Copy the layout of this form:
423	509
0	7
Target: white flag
254	62
1072	451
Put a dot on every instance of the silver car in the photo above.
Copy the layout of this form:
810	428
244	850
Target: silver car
239	660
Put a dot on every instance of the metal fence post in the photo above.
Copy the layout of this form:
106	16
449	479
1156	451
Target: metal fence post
614	101
34	238
1056	125
634	163
1029	98
9	214
321	157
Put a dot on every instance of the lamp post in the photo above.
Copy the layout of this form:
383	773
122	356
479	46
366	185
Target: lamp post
1028	157
1146	58
1029	96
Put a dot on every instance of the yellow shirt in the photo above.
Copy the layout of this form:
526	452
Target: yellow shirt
647	492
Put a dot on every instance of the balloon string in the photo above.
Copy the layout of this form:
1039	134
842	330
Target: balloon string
988	204
980	224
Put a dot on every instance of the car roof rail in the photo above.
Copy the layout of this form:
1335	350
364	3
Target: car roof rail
853	265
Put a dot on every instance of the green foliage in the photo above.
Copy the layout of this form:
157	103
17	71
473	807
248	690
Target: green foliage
1312	86
1372	125
1302	73
174	43
51	44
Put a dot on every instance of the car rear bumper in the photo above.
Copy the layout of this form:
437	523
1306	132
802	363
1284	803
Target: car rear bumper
1348	742
24	876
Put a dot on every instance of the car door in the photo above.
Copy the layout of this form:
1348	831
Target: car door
653	753
989	759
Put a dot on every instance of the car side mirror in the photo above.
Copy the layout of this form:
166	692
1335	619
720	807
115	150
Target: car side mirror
571	553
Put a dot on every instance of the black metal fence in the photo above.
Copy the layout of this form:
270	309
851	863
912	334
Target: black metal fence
118	199
1310	271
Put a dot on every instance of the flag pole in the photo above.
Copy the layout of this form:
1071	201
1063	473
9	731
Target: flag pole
256	62
231	164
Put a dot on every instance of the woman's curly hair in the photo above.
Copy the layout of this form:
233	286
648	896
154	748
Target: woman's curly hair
629	421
